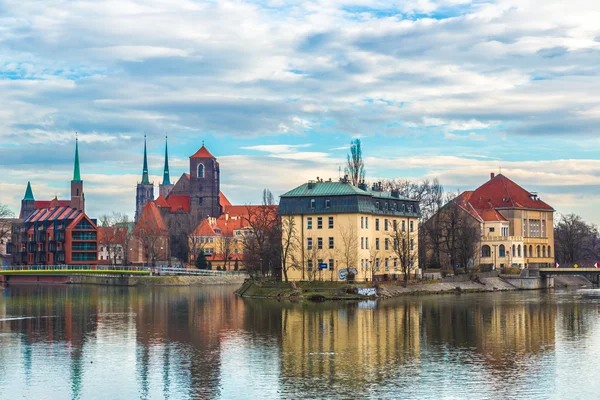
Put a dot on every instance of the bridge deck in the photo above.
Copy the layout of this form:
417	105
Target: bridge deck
571	271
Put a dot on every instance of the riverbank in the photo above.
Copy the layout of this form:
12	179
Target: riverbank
321	291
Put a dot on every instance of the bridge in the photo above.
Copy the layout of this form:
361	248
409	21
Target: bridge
593	274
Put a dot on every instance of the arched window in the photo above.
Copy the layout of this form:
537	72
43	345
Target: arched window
530	251
200	170
524	251
544	251
519	251
501	251
514	250
549	252
538	251
486	251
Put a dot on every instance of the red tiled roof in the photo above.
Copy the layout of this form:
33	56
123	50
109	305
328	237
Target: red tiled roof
53	214
204	228
161	202
187	175
223	200
497	193
46	203
202	153
151	220
179	202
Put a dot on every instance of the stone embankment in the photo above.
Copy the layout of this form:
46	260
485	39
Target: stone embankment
158	280
561	281
482	285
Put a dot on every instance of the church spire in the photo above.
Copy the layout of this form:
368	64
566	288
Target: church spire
166	178
76	172
28	192
145	171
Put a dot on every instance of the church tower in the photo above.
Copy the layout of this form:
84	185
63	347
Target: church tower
205	184
165	187
77	196
28	202
145	189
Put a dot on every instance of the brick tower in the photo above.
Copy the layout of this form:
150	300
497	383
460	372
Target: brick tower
28	202
205	184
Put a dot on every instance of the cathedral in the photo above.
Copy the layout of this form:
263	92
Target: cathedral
196	194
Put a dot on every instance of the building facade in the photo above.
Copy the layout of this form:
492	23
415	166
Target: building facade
333	229
55	235
516	226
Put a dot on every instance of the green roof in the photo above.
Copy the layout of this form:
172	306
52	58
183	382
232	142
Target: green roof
76	173
388	195
145	170
325	189
28	192
166	177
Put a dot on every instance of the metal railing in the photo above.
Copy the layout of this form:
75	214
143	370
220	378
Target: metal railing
195	272
67	268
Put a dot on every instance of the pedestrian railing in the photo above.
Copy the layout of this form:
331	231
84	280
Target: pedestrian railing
195	272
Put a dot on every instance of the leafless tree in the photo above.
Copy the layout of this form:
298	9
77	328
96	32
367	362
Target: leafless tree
289	245
405	250
349	245
224	247
374	254
355	166
5	223
575	240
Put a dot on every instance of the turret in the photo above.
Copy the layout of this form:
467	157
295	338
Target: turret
28	202
165	187
77	196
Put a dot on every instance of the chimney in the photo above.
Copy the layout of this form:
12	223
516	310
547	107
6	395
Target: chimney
396	193
492	175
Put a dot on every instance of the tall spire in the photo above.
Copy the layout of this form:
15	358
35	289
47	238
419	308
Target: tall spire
166	178
76	172
28	192
145	171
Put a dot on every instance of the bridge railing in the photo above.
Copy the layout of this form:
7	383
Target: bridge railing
195	272
73	268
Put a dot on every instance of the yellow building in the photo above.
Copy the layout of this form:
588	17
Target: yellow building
516	225
330	229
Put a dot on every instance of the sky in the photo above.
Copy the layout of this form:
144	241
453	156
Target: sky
448	89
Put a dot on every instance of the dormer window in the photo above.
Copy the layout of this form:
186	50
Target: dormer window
312	203
200	170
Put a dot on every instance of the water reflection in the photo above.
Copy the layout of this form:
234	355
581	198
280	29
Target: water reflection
108	342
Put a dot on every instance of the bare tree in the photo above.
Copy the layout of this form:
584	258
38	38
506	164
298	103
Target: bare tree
374	253
348	249
575	240
5	226
405	250
225	248
355	166
111	235
289	245
125	237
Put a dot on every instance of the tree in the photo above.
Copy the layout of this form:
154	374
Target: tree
348	249
225	248
405	250
201	262
575	240
236	266
372	262
289	245
355	166
5	227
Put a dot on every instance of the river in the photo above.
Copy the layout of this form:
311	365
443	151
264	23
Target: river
96	342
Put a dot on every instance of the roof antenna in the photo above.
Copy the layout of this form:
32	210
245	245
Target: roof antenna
203	143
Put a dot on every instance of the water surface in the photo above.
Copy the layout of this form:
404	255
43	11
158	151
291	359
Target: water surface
94	342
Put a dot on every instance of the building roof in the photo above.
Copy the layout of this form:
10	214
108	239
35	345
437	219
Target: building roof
166	177
161	202
496	194
76	171
202	153
53	214
501	192
325	189
179	203
145	179
28	192
151	220
47	203
223	200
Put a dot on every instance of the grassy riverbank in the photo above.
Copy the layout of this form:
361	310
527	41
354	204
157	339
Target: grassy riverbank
320	291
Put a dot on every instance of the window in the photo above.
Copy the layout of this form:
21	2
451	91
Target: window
309	243
543	228
387	264
534	227
309	265
387	244
403	226
538	251
412	226
544	251
319	243
403	207
386	205
501	251
367	243
319	222
410	208
377	244
486	251
412	244
518	251
313	203
362	222
377	264
377	205
376	224
331	243
524	251
331	264
386	224
492	230
395	225
514	250
200	170
330	222
200	199
362	264
309	223
395	264
367	222
530	251
327	203
362	242
549	252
